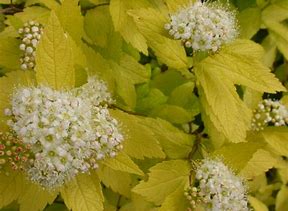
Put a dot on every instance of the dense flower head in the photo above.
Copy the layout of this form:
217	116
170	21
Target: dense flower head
269	112
217	188
13	152
30	35
67	133
203	26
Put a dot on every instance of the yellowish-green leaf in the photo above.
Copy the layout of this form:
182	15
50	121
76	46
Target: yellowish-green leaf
176	201
279	33
261	161
39	14
55	57
244	152
122	162
118	181
276	12
281	199
83	193
250	22
151	23
71	19
30	193
163	180
140	141
11	187
51	4
125	24
257	204
138	203
270	51
10	53
252	97
174	6
277	138
7	85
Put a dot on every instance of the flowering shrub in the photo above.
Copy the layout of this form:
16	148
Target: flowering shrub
143	105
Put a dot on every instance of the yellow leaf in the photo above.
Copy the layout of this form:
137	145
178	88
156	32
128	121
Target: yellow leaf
261	162
250	22
163	180
54	59
125	24
71	19
176	201
51	4
140	141
257	204
123	162
151	23
7	85
30	193
281	199
11	187
10	53
118	181
83	193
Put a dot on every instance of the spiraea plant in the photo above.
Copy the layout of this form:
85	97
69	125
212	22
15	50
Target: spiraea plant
143	105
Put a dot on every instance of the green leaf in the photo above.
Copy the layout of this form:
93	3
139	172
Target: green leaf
10	53
250	22
257	204
118	181
125	24
72	21
7	86
30	193
261	162
122	162
281	199
55	57
176	201
11	187
140	141
277	138
83	193
163	180
151	23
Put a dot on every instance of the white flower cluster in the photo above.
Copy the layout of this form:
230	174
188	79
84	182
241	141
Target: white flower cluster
217	188
269	112
30	35
68	134
203	26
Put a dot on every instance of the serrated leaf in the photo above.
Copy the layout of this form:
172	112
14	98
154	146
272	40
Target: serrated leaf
168	51
30	193
125	24
122	162
71	19
164	178
7	85
10	53
140	141
250	22
261	161
11	187
176	201
257	204
281	199
83	193
54	57
277	138
118	181
217	76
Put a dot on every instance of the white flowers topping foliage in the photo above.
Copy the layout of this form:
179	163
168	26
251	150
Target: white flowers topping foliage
30	36
269	112
217	188
203	26
67	133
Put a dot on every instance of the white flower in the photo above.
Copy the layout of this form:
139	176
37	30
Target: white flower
203	26
67	131
30	35
269	112
217	188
